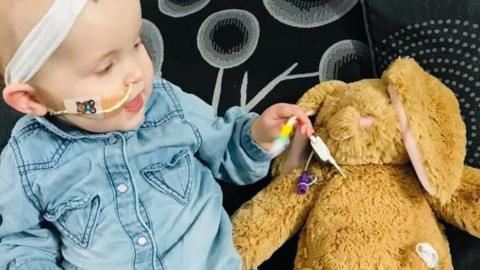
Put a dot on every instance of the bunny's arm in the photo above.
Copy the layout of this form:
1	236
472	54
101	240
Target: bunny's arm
463	208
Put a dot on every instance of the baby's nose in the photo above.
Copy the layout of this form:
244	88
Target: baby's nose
366	121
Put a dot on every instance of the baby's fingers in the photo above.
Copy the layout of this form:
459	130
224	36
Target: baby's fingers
304	124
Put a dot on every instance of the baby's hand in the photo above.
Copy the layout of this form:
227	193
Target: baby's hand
268	125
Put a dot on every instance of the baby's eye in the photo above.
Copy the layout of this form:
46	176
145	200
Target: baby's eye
138	43
106	69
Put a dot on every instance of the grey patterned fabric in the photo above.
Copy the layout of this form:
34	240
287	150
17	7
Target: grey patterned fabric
313	13
254	54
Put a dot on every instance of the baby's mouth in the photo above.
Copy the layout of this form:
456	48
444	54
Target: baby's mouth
135	104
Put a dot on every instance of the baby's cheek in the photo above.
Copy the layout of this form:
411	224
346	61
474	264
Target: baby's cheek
148	67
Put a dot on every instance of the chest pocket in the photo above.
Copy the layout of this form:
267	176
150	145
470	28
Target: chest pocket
76	219
174	177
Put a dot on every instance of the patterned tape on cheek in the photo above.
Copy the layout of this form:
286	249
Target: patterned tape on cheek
95	106
43	40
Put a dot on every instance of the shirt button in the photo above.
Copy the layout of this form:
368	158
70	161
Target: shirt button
122	188
142	241
112	140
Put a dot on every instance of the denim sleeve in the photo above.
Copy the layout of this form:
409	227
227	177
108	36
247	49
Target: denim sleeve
24	244
227	147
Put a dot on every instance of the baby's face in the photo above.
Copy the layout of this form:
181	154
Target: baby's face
102	55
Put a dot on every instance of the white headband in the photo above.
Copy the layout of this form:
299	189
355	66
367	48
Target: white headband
43	40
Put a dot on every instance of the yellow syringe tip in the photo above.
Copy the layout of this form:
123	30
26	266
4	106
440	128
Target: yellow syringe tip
286	130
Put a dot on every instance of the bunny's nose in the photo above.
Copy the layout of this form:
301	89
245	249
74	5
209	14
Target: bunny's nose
366	122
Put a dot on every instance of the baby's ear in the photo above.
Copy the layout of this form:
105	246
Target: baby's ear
431	124
24	98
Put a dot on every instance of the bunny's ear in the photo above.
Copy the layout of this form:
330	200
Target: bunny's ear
296	154
431	124
313	99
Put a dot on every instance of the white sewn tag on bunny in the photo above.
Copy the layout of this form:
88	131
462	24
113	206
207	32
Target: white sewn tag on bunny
428	254
322	151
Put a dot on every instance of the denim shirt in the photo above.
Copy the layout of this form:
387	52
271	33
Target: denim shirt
142	199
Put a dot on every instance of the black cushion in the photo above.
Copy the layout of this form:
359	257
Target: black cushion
8	117
242	37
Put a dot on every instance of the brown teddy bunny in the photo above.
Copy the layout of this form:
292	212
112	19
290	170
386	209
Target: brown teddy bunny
400	141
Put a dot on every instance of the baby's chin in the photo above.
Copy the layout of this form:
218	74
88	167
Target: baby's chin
131	124
127	122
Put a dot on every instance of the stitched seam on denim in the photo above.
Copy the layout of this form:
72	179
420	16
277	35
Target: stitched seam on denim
94	207
196	132
54	130
157	83
91	222
174	98
160	165
28	128
37	259
132	242
70	205
250	148
164	187
169	89
190	179
133	189
161	179
26	185
245	144
160	258
68	234
136	196
55	214
149	223
73	135
162	121
150	226
52	162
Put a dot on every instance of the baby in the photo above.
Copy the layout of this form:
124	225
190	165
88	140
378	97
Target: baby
111	168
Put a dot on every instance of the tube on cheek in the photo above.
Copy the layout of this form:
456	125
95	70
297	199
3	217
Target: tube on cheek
94	107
